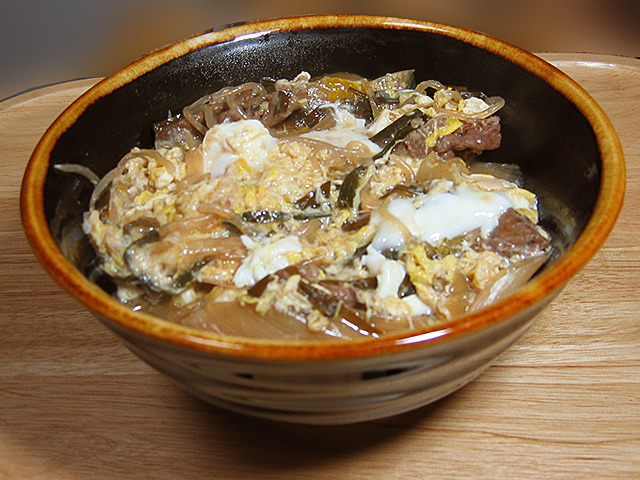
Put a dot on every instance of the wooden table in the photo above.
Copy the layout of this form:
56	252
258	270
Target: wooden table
564	402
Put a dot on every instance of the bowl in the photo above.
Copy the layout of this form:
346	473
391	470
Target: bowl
564	144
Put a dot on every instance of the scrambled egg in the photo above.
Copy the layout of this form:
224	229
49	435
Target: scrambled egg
235	212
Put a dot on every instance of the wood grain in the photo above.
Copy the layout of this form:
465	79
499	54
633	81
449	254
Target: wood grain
564	402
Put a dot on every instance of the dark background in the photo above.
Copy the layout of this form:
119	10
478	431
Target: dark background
46	42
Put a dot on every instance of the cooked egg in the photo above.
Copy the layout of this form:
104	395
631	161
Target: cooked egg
390	274
245	205
246	140
416	306
434	217
348	129
473	105
265	259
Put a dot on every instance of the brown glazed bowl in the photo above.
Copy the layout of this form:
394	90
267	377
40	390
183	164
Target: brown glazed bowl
565	145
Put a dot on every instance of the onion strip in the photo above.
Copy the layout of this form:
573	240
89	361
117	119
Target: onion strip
80	170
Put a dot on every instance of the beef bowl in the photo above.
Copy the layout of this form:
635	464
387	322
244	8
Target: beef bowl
324	219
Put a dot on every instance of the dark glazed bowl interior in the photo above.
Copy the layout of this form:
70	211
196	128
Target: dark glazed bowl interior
543	131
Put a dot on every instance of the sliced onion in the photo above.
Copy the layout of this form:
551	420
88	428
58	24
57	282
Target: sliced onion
407	171
101	186
341	160
189	113
235	108
168	165
503	171
185	226
80	170
423	86
516	276
495	104
232	318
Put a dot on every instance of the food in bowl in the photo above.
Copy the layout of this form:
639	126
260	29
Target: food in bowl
329	207
561	140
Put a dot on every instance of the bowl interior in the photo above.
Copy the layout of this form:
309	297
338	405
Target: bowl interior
543	132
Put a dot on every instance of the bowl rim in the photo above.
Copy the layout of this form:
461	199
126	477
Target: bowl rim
120	317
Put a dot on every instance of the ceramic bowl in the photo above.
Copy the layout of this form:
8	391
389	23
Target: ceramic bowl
558	135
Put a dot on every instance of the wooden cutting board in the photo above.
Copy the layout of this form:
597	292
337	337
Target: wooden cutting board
564	402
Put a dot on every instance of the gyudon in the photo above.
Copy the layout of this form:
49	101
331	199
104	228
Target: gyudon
334	207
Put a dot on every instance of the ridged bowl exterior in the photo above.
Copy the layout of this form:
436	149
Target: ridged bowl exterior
333	392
